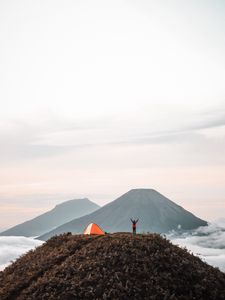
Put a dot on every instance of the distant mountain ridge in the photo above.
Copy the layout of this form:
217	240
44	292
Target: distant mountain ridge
156	213
59	215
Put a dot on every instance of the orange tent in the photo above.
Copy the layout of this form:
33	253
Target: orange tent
93	229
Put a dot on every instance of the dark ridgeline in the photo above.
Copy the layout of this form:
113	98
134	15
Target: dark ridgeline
156	213
59	215
113	266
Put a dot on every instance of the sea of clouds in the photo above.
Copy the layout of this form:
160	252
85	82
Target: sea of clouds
11	247
207	242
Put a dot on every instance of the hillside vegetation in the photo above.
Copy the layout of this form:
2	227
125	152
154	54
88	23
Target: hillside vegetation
113	266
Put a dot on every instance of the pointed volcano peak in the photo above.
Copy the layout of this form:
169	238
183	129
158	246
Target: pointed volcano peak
142	190
144	195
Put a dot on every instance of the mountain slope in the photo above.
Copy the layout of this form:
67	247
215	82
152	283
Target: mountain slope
114	266
61	214
156	213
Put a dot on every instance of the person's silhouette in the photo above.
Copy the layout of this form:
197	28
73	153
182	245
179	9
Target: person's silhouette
134	225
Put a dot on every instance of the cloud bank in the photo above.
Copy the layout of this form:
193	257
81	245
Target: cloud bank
11	247
206	242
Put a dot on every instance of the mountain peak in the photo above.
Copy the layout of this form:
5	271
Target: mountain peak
142	190
73	201
155	212
60	214
144	195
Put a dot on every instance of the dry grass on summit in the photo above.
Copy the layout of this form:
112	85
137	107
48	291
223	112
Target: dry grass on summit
114	266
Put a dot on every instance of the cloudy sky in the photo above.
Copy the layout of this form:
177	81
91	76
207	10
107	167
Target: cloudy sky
98	97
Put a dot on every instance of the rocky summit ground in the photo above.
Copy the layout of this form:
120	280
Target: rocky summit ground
114	266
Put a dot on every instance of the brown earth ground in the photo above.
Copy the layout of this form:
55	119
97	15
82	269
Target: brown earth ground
113	266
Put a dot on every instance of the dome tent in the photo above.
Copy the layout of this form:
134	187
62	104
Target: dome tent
93	228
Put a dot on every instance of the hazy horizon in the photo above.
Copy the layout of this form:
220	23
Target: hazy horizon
99	97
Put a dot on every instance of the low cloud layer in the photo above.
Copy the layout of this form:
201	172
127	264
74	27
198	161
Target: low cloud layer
206	242
11	247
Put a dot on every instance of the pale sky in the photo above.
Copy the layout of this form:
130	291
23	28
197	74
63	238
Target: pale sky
98	97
